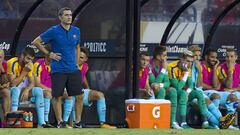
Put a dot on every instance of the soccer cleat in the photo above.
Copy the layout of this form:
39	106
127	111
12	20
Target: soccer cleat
185	126
46	126
233	128
213	127
205	125
49	125
226	120
103	125
78	125
62	125
175	125
68	126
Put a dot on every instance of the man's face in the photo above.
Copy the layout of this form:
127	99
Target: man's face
66	17
187	61
211	59
231	57
144	61
82	58
1	56
197	55
162	57
26	58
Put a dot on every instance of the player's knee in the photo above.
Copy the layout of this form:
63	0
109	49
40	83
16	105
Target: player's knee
199	95
15	90
232	98
184	94
79	98
155	86
172	92
57	99
215	96
183	97
208	101
37	91
99	95
47	94
5	93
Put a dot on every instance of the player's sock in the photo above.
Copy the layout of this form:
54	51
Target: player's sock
68	105
37	93
172	94
46	108
214	111
212	119
183	103
15	93
73	109
101	109
216	102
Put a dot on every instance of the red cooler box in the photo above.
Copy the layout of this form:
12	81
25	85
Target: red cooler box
142	113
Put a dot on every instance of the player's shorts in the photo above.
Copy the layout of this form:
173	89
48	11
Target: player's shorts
71	81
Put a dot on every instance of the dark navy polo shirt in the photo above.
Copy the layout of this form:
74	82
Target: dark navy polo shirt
63	41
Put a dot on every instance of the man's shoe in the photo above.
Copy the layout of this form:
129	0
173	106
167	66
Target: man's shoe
227	120
104	125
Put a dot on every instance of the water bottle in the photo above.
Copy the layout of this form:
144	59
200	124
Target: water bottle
30	116
25	116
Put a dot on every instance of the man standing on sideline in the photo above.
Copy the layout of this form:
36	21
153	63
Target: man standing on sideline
65	44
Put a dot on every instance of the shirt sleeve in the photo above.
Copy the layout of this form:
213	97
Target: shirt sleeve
37	69
4	63
79	37
48	35
171	73
11	67
30	74
222	73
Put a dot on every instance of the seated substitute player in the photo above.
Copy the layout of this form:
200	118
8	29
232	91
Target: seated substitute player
20	71
43	80
180	78
89	94
160	83
204	76
4	84
145	90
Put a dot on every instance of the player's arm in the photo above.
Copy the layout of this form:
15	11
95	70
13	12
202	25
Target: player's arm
166	81
226	78
38	43
151	77
160	77
85	83
25	91
174	81
14	81
147	86
228	81
46	37
30	83
200	82
216	82
78	50
189	84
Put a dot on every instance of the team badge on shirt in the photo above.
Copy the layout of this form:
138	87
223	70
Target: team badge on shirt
74	36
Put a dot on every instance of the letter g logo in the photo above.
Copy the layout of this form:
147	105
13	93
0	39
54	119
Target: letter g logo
156	112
